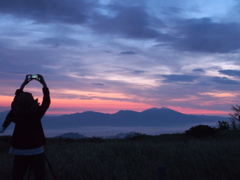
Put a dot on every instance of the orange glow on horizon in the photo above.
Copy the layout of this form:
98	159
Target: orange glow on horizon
94	103
70	106
200	111
6	100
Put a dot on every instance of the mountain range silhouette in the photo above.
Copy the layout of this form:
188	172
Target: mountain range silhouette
126	118
166	119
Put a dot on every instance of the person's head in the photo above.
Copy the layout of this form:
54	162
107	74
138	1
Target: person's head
26	100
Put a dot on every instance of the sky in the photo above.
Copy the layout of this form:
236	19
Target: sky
111	55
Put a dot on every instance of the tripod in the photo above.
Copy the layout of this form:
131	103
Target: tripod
49	165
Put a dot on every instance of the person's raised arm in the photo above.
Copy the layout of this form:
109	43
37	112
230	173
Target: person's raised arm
41	80
46	95
28	78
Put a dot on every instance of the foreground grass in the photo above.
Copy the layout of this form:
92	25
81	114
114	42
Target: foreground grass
215	158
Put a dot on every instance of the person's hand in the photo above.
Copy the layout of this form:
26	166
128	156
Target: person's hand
2	129
26	81
41	80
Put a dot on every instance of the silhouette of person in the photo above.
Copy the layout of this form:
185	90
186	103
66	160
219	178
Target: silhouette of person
28	139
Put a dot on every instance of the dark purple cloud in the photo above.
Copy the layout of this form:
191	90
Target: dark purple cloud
18	61
98	84
204	35
171	11
138	72
45	11
129	22
179	78
132	21
128	53
198	70
230	72
224	80
56	42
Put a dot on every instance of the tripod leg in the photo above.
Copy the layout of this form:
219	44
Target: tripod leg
29	172
50	167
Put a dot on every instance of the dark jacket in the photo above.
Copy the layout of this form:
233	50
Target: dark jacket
28	132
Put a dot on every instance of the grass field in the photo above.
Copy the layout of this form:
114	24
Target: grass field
214	158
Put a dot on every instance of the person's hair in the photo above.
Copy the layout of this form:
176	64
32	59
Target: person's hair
24	106
25	100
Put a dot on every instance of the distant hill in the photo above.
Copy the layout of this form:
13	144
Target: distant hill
71	135
126	118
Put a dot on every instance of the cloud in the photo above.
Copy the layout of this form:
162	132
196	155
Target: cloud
171	10
204	35
129	22
110	47
198	70
56	42
44	11
224	80
128	53
179	78
138	72
230	72
132	20
98	84
121	20
85	97
23	61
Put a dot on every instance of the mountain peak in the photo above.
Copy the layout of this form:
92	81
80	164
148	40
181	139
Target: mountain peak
161	111
157	109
